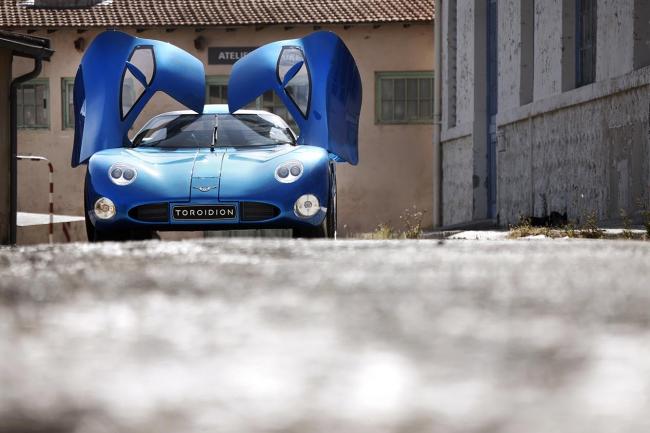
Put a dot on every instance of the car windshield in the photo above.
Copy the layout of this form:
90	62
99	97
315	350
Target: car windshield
198	130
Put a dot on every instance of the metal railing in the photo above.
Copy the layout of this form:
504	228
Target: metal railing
50	235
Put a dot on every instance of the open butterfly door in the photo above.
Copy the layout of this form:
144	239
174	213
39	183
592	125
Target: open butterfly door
318	81
117	76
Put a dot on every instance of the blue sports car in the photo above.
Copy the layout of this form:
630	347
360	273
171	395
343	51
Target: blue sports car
214	167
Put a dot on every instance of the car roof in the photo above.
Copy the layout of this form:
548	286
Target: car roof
214	109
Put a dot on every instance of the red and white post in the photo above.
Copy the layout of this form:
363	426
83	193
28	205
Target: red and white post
50	235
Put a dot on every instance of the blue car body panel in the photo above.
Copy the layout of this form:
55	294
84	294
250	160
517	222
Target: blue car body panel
223	175
232	174
330	119
100	121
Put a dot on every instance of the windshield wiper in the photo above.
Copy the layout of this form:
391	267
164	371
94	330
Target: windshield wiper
214	132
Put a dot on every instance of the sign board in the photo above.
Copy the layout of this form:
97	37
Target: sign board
227	55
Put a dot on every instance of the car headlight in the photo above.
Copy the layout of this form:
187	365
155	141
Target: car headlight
288	172
104	208
306	206
122	174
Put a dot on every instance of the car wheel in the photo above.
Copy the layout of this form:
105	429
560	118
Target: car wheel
332	206
327	229
95	235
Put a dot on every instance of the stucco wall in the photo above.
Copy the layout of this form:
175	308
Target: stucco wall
5	81
395	169
457	181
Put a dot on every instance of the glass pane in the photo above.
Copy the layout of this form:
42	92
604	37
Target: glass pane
400	99
412	89
29	105
425	109
288	58
412	109
29	94
400	89
425	88
132	89
41	105
387	89
142	58
69	121
217	94
387	110
400	111
298	89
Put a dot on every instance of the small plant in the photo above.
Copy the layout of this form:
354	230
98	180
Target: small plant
590	228
383	231
570	231
645	215
412	221
525	229
627	225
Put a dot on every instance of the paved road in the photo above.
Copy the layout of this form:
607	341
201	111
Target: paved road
244	336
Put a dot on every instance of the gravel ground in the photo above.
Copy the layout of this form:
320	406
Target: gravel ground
245	335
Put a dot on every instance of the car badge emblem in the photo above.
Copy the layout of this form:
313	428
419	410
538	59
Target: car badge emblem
205	188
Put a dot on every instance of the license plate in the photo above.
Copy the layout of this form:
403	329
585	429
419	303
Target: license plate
205	212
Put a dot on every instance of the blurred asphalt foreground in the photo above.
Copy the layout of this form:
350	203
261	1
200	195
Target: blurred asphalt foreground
255	335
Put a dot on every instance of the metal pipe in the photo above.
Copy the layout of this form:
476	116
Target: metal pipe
437	116
13	142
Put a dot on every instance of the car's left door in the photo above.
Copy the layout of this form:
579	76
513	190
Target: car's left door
118	75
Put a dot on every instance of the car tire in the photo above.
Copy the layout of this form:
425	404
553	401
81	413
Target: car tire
95	235
327	229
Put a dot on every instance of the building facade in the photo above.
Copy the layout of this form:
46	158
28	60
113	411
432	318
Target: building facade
545	108
392	42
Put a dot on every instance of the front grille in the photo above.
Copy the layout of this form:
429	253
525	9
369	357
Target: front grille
151	213
251	211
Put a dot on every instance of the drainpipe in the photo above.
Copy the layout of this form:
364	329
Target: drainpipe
13	142
437	116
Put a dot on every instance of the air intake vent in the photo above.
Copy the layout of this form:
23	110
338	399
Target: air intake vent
251	211
62	4
151	213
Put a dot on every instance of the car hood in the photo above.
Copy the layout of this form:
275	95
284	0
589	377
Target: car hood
181	175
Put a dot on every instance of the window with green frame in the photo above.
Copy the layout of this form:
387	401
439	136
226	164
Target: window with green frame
217	93
32	103
404	97
67	102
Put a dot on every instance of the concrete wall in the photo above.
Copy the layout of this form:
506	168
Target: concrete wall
589	158
457	181
548	48
614	38
579	151
5	148
395	169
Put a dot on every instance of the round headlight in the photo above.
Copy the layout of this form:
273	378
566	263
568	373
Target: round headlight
122	174
307	206
295	170
116	173
128	174
289	171
104	208
283	172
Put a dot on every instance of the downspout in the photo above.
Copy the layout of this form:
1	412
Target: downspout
437	116
13	143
